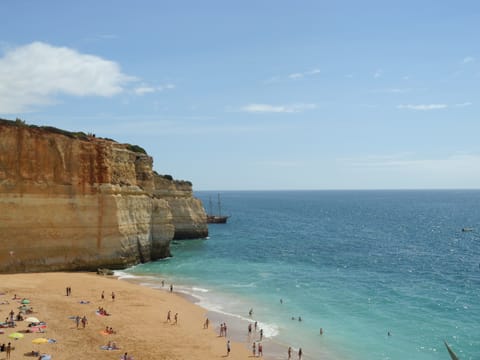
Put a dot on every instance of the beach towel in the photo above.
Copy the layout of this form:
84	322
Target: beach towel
109	348
39	329
101	314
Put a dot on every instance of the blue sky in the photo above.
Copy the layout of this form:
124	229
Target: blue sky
254	95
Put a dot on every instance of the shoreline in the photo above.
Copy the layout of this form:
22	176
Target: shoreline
138	318
237	325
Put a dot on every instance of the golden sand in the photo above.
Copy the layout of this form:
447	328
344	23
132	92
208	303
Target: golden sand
138	317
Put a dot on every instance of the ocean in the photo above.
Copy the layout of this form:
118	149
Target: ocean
385	274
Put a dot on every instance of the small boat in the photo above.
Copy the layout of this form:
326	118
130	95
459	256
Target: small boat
216	218
467	229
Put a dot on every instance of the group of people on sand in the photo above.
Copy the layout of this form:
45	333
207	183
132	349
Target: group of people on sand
82	320
112	345
289	351
102	296
109	330
257	350
102	311
223	329
7	348
169	317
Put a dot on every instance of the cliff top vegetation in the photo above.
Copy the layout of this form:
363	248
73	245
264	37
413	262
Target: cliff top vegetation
80	135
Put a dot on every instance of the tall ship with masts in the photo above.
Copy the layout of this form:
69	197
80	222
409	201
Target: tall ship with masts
216	218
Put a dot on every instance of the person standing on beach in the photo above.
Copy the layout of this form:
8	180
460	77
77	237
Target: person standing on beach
250	329
300	352
289	352
225	329
261	334
103	295
176	318
260	349
254	349
168	316
77	320
84	321
171	287
113	296
9	349
228	347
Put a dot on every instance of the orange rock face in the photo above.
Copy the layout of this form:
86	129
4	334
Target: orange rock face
76	202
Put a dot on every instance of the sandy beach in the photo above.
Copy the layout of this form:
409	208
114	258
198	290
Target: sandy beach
138	316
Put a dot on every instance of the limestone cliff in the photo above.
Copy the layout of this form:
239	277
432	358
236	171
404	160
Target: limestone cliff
69	201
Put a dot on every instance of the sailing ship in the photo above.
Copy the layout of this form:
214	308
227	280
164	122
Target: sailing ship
216	218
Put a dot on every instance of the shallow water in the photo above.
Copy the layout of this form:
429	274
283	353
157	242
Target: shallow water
359	264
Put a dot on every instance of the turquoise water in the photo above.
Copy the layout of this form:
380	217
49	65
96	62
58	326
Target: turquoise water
358	264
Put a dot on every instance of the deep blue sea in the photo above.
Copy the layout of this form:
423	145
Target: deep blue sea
385	274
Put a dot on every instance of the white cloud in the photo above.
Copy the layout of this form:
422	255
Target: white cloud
377	74
141	90
166	87
272	80
33	74
293	76
266	108
449	164
468	59
296	76
393	90
145	89
299	75
463	104
422	107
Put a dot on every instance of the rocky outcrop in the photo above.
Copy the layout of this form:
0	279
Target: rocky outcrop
69	201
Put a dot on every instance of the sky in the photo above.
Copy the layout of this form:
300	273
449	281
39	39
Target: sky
258	94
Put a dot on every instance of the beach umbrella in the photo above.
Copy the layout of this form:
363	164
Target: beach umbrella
16	335
32	319
40	341
25	301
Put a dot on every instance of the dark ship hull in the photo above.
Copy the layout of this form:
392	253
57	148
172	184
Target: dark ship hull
216	219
